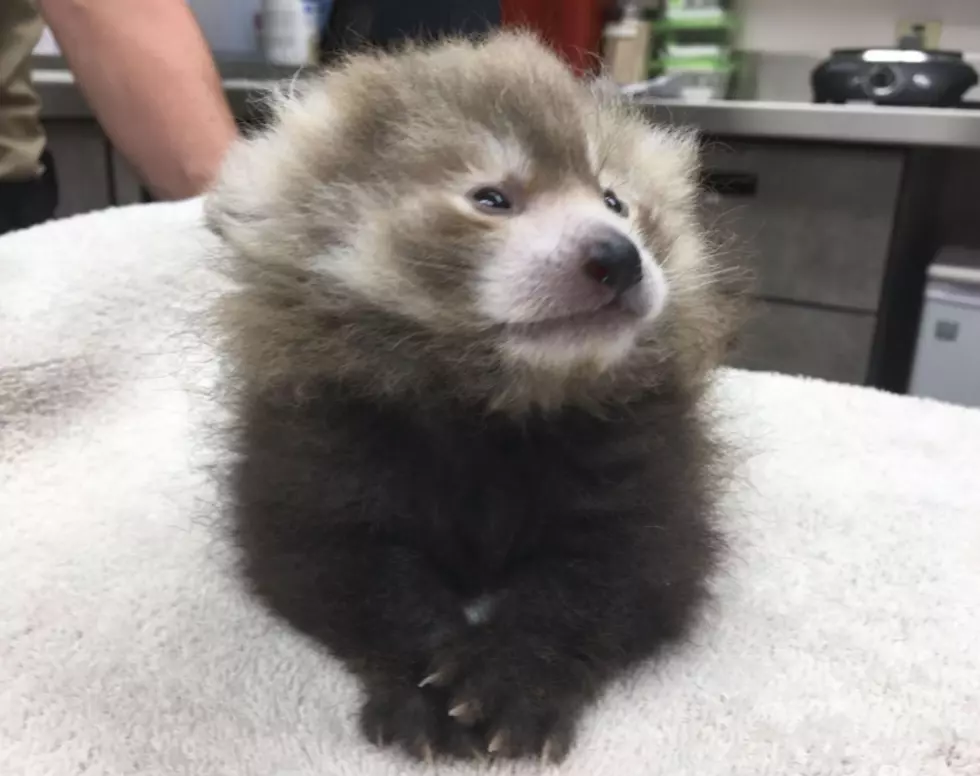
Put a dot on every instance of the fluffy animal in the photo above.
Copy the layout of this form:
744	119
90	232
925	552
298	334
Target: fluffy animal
472	326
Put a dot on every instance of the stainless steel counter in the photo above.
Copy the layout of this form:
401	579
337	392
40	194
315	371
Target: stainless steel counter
61	98
861	124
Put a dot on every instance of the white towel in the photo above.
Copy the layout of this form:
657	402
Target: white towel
845	639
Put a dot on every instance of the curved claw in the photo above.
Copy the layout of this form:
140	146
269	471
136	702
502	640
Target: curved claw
497	742
467	712
436	679
549	753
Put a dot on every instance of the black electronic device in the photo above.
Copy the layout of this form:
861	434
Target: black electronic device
893	76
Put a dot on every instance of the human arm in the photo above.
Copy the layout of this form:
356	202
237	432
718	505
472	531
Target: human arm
147	71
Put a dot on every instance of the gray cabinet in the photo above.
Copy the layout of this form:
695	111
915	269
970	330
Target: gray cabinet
794	339
80	154
126	184
813	224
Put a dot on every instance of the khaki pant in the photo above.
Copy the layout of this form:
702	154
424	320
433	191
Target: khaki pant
21	135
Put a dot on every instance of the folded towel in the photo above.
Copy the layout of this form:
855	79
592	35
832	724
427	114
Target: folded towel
845	638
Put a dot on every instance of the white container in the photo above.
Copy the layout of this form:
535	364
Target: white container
626	50
288	31
947	356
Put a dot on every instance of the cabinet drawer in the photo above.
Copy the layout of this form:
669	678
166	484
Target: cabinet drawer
79	150
807	341
812	222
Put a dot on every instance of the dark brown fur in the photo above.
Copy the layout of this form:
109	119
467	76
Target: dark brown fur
394	468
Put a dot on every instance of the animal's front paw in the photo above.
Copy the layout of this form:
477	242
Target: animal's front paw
415	720
518	711
524	726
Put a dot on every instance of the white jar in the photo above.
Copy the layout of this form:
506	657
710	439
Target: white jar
289	31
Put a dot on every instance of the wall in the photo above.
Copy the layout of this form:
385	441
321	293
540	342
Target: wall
815	26
228	25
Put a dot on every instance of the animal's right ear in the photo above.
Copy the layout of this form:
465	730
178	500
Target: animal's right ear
244	189
252	192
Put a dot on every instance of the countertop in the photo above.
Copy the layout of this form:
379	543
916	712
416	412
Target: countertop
244	83
853	123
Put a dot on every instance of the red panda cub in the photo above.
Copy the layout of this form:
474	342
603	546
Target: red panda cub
472	325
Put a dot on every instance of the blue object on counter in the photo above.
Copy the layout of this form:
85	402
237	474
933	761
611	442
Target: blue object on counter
323	12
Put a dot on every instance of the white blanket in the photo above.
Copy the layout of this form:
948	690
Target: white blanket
845	639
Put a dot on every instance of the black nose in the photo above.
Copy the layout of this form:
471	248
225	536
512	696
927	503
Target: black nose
614	261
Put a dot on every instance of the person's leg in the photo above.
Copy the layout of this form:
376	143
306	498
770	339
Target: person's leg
28	191
24	203
40	195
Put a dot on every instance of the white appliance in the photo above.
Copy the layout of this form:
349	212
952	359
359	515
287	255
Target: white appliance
947	356
230	27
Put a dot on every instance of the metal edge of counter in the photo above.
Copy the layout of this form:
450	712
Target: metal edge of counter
62	99
864	124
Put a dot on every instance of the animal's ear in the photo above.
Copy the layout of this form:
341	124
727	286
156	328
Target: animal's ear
244	189
259	172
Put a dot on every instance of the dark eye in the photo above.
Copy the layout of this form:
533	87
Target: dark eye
614	203
491	199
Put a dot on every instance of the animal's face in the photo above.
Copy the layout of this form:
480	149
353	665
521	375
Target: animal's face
549	264
480	192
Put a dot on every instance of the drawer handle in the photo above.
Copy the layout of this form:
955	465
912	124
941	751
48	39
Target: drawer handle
730	184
